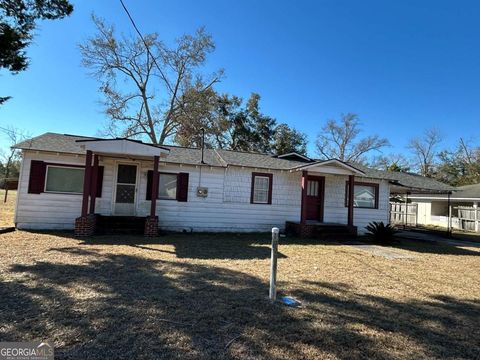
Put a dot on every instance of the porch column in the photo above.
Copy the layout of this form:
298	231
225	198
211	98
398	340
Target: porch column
303	211
351	190
93	188
87	182
153	204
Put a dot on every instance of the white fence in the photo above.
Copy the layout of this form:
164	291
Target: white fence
469	218
403	214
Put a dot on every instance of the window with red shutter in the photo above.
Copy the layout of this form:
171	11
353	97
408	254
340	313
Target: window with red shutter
99	182
36	181
182	187
149	184
169	189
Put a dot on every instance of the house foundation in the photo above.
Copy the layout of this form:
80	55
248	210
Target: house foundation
151	226
320	230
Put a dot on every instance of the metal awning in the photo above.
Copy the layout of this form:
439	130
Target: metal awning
123	147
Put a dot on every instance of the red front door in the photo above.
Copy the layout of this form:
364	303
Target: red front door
314	198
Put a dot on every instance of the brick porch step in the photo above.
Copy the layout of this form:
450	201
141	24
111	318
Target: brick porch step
108	225
318	230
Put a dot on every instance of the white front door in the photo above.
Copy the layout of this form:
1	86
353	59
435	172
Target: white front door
125	190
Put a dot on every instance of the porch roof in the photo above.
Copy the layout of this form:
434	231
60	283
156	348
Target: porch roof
123	147
332	166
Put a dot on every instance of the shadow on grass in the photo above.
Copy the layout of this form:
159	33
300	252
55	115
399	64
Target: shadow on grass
102	305
197	245
246	246
425	247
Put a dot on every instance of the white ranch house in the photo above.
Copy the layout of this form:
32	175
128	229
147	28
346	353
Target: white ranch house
82	183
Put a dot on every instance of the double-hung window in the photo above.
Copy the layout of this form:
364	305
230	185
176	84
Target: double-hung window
261	192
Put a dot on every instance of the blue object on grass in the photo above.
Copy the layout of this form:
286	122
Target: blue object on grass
289	301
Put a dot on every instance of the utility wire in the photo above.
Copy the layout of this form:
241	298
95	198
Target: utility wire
146	45
162	74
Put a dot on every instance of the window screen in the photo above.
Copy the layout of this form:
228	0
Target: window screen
64	179
167	186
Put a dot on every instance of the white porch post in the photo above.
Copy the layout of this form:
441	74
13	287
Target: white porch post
475	210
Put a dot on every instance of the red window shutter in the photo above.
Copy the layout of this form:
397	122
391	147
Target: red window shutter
149	184
36	181
182	187
99	182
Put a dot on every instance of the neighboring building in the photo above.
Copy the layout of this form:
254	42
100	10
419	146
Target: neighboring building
433	209
227	191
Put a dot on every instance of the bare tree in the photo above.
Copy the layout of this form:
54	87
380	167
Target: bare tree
391	162
9	159
339	140
425	150
460	166
143	80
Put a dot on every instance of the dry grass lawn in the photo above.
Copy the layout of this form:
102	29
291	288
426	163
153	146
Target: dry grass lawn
205	297
7	209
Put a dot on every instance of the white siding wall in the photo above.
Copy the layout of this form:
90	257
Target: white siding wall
227	207
46	210
336	212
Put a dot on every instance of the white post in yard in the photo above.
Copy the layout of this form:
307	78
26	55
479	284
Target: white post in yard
273	265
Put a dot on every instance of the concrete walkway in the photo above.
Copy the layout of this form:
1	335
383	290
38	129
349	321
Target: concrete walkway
416	235
383	251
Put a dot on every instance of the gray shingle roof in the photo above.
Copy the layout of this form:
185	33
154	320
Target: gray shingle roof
67	144
54	142
467	191
257	160
407	180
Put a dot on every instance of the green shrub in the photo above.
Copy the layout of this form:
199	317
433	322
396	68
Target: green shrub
379	232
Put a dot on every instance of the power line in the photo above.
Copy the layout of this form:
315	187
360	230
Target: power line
146	45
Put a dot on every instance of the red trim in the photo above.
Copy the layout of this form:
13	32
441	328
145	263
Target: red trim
351	192
377	191
321	180
154	194
99	182
182	187
94	184
36	177
87	182
149	185
270	187
303	211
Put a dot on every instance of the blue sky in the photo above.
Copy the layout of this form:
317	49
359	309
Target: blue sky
403	66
